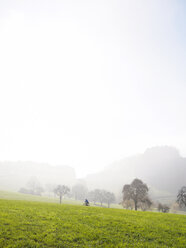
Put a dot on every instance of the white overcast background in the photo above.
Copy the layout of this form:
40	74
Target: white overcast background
84	83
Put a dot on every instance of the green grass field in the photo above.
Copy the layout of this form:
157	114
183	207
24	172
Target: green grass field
7	195
41	224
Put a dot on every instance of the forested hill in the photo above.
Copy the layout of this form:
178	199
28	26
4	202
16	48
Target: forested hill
162	168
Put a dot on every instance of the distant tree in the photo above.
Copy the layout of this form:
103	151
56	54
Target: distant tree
60	191
39	190
99	196
126	193
145	204
79	191
33	187
163	208
166	209
128	204
181	197
102	196
160	207
50	188
92	196
108	197
136	191
175	207
25	191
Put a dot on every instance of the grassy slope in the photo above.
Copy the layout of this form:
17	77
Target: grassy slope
36	224
8	195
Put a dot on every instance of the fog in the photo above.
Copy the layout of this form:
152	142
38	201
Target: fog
86	83
163	169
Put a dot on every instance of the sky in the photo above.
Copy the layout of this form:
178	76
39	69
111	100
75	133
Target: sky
85	83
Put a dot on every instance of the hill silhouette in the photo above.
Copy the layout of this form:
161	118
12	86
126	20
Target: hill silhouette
162	168
14	175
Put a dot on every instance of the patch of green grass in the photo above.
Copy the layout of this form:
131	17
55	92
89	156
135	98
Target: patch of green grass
37	224
8	195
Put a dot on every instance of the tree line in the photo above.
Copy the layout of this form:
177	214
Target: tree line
80	192
134	195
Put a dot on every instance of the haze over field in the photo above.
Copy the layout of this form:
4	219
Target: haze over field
86	83
162	168
92	123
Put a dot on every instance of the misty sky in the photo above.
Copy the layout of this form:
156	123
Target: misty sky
84	83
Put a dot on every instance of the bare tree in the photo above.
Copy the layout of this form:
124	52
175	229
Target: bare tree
33	187
163	208
61	190
181	197
102	196
79	191
136	191
50	189
92	196
160	207
108	197
99	196
175	207
145	204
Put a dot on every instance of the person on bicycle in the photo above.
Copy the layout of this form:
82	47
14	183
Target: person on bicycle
86	202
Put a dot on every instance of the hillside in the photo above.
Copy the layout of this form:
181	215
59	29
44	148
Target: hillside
162	168
34	224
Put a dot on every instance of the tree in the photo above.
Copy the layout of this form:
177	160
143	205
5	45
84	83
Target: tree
79	191
34	187
181	197
175	207
145	204
160	207
102	196
60	191
108	197
136	191
92	196
128	204
50	188
99	196
163	208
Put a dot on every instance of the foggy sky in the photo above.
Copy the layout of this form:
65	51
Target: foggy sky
83	83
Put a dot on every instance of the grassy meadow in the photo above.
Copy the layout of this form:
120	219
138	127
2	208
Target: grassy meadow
7	195
43	224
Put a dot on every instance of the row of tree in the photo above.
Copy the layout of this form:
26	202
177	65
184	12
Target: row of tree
33	187
102	196
136	194
79	191
97	195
